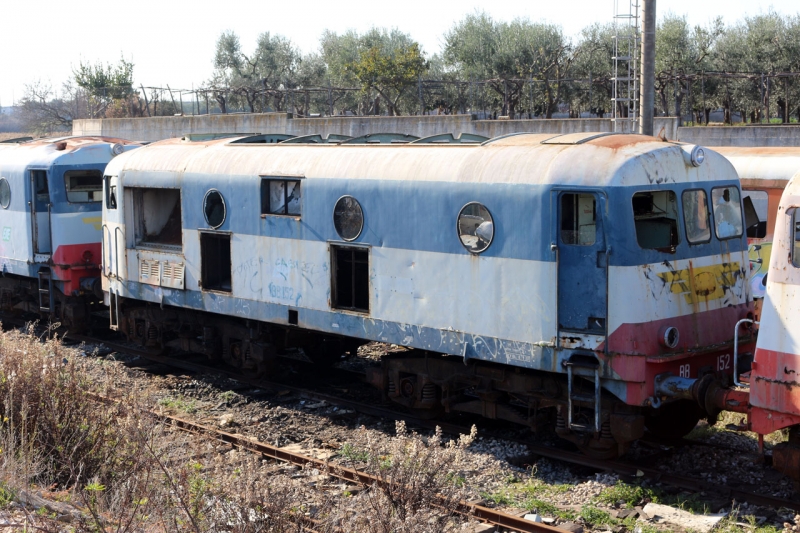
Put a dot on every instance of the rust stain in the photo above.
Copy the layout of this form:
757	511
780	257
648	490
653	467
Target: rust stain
616	142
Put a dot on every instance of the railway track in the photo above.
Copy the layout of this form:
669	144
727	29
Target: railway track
349	475
622	468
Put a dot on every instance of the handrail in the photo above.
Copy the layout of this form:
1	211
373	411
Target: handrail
736	352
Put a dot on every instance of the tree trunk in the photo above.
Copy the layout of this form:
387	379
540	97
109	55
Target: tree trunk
219	97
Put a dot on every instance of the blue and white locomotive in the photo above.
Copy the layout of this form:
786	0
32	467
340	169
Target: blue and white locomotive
528	272
50	214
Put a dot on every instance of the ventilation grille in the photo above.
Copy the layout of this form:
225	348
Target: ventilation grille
163	273
149	272
172	275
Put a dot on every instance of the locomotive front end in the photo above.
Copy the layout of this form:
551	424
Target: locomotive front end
50	192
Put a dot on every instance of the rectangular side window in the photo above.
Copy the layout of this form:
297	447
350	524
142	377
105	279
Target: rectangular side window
578	219
350	278
215	257
727	207
111	193
157	217
280	197
84	186
756	205
696	217
796	238
40	184
655	216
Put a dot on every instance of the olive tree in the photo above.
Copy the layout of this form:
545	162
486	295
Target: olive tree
387	63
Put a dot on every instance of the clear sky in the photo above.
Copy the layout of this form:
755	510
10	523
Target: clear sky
173	42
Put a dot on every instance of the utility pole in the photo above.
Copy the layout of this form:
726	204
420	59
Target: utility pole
648	84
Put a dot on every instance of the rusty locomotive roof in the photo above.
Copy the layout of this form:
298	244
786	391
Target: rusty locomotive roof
588	159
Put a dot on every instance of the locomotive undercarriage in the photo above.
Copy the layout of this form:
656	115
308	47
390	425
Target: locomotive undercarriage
426	382
244	344
25	298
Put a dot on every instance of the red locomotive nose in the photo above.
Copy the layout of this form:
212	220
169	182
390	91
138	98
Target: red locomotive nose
87	256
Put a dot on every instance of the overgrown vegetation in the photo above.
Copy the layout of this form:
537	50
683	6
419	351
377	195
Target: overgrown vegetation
120	470
418	481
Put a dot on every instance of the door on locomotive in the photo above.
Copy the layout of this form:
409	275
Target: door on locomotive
582	263
40	212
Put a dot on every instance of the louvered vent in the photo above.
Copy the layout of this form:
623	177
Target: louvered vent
172	275
149	271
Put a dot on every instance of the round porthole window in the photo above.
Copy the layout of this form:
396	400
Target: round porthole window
348	218
214	208
5	193
475	227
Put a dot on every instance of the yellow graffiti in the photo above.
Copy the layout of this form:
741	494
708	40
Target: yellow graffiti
763	252
97	222
702	283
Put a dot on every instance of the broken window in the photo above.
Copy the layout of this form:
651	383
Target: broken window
475	227
727	212
214	208
696	216
157	214
111	193
348	218
280	197
84	186
655	216
5	193
215	255
756	204
40	186
578	219
350	278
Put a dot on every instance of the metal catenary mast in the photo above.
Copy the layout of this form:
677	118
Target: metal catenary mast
625	81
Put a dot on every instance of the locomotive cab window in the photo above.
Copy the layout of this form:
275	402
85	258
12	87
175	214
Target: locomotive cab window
795	236
578	219
350	278
696	216
40	186
655	216
727	210
215	257
756	204
280	197
84	186
111	193
157	216
5	193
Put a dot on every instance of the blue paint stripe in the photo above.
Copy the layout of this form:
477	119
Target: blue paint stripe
19	182
422	216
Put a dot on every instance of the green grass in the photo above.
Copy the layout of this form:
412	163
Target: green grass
349	451
630	495
502	497
179	404
597	517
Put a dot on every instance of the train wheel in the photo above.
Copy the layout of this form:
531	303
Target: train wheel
673	420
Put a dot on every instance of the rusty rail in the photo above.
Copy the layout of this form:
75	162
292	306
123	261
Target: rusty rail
351	475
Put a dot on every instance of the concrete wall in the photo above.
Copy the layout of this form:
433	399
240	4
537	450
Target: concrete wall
741	135
156	128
